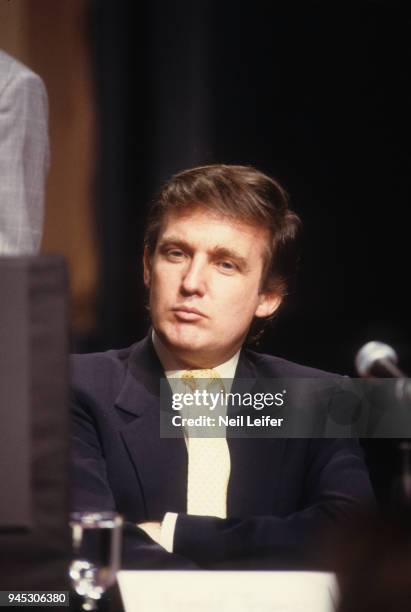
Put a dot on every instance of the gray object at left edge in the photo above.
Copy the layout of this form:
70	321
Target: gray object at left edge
24	157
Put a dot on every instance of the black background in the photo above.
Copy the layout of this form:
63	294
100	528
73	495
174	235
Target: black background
316	94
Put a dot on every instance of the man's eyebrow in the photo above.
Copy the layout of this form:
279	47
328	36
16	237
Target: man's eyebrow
224	252
167	240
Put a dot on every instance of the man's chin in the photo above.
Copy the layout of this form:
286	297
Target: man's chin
186	342
185	345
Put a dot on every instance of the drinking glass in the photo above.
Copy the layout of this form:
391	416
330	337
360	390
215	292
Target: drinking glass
96	554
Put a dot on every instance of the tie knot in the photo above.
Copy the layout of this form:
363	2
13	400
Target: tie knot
192	377
207	373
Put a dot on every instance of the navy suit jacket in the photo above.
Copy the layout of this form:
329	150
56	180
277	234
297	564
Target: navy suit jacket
280	492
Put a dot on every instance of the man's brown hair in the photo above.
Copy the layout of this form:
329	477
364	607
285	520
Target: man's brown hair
241	193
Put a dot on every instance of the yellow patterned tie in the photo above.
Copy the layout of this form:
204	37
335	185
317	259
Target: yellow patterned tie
208	458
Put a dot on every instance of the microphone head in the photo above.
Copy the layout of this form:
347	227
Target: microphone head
370	353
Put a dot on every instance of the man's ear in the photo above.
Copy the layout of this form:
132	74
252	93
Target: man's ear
147	267
268	304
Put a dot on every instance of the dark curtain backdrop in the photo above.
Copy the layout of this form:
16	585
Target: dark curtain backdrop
316	94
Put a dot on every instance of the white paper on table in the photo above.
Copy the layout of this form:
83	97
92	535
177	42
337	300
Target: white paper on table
227	591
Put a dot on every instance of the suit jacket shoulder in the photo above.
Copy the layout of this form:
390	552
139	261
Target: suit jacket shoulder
105	371
271	366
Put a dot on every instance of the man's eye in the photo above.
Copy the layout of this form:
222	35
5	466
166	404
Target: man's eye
175	254
227	266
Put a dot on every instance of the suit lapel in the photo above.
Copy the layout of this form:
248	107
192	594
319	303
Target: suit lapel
255	462
160	463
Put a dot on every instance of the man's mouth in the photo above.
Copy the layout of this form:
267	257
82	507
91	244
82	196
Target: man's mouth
188	313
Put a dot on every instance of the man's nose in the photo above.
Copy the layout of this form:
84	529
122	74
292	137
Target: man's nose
194	277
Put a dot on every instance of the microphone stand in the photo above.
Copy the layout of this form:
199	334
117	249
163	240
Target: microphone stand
379	360
401	498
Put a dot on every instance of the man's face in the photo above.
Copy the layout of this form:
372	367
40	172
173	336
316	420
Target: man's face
204	281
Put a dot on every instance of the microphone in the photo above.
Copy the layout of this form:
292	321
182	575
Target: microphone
379	360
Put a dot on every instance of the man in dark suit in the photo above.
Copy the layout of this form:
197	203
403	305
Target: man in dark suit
219	253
